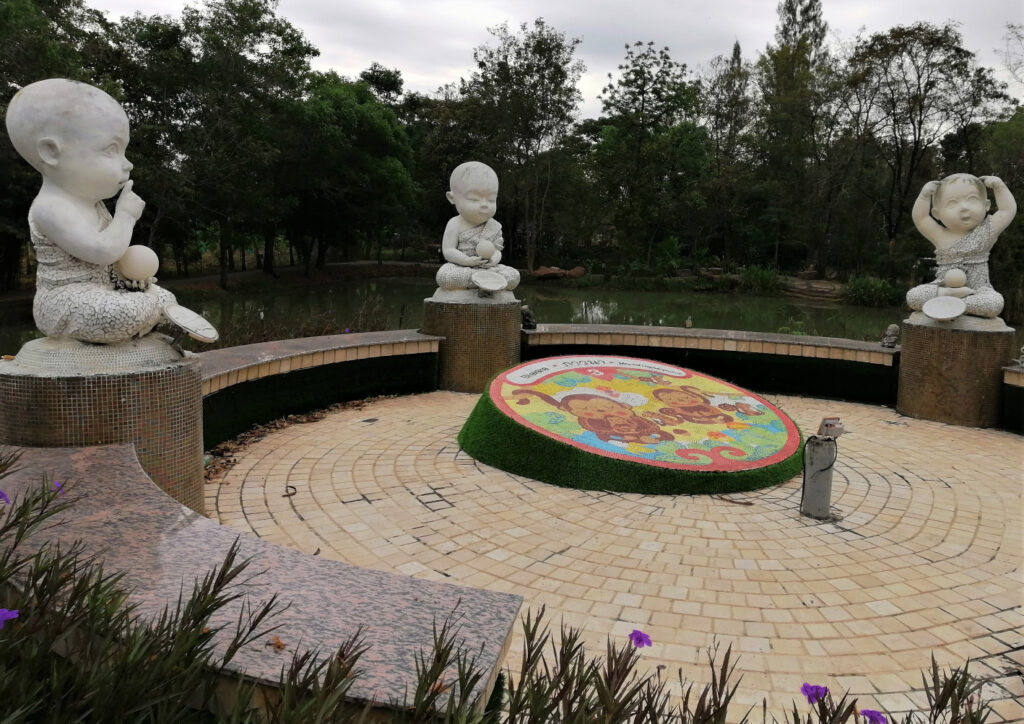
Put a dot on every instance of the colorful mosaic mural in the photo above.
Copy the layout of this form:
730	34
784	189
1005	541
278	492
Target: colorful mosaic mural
646	412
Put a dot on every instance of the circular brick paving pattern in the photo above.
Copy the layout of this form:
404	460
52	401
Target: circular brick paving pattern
925	555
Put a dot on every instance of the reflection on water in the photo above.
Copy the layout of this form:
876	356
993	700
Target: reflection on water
398	304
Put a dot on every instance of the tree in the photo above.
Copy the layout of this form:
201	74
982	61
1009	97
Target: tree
651	154
791	75
155	65
726	114
249	65
522	100
915	85
350	161
386	83
40	39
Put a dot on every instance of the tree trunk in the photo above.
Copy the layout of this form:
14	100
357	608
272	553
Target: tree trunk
321	253
226	233
306	252
269	236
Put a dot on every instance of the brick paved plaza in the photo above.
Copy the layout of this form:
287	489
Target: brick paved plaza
925	558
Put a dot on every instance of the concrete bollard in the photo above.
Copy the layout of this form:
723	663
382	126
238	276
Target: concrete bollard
819	457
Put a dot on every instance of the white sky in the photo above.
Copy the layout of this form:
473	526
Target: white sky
432	41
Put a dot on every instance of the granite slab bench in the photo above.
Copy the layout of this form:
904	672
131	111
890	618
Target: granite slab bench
120	515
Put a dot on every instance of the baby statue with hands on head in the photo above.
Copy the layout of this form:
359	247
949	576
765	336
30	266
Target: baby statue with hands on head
953	215
91	285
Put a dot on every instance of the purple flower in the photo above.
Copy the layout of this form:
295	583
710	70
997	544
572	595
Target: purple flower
639	638
58	487
813	693
3	497
872	716
7	615
346	330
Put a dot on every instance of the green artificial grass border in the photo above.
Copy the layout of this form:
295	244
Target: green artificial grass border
494	438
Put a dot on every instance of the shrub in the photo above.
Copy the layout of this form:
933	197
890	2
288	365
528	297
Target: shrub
760	280
872	292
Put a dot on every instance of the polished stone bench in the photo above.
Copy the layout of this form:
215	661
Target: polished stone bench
121	516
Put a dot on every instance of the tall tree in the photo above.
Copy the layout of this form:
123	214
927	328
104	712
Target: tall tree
155	65
790	76
915	85
726	115
249	64
651	154
522	98
40	39
349	170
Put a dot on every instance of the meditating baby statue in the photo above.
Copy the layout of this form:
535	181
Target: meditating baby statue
472	242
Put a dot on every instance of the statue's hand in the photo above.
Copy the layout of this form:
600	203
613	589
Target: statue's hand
992	181
928	190
960	292
129	202
488	263
475	261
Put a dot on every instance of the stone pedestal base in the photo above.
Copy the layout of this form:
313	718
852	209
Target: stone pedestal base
70	394
480	340
952	375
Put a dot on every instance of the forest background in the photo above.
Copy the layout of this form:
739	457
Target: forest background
804	157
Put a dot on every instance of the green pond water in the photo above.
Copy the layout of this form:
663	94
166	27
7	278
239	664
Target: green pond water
398	304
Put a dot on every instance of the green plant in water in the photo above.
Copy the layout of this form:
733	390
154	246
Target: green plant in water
872	292
761	280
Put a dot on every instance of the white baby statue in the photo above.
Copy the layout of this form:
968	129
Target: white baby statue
91	285
472	242
953	215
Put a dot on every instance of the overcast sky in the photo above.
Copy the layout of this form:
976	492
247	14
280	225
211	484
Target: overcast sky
432	41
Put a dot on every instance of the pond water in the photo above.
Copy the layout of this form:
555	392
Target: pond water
398	304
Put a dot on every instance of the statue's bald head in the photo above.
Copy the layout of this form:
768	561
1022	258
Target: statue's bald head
55	108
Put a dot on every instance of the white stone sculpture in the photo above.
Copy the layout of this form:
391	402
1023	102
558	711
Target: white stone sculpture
75	135
472	242
953	215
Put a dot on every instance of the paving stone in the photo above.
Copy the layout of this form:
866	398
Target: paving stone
925	555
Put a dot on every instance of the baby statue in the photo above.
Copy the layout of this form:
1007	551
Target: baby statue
472	241
90	284
953	215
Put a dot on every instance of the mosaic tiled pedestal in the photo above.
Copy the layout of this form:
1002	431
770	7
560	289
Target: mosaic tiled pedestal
952	375
480	340
68	394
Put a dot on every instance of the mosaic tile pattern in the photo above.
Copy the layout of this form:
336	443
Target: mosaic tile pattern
163	546
926	557
953	375
645	412
159	410
479	341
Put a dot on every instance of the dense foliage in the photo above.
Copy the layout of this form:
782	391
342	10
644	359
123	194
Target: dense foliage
806	156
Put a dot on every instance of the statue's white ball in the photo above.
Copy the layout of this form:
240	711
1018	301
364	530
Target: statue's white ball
955	278
138	263
485	249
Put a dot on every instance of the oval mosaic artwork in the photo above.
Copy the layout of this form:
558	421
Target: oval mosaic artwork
638	411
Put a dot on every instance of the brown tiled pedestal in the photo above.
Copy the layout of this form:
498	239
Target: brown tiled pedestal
952	375
480	340
158	408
